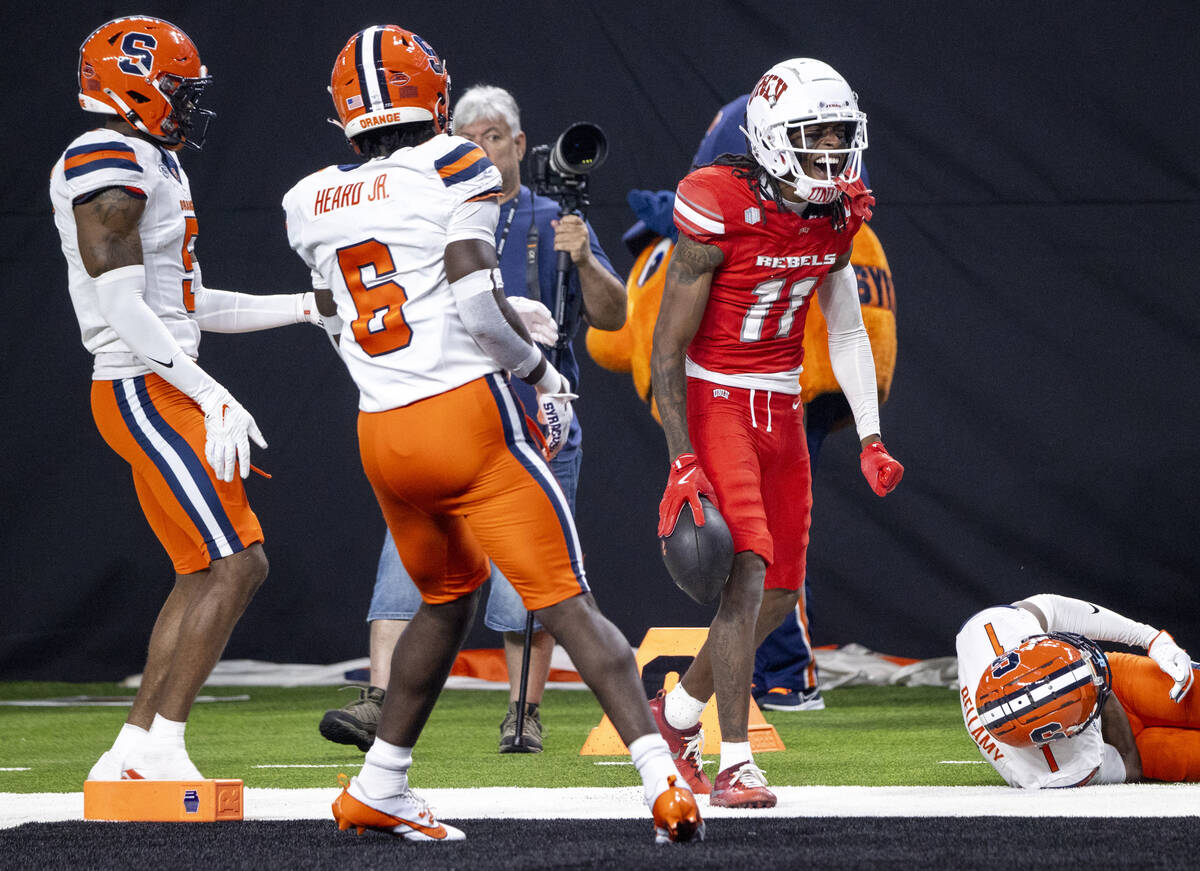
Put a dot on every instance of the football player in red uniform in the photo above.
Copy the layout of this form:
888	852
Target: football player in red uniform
758	235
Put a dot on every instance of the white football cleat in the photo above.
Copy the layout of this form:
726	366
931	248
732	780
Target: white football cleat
107	767
159	764
405	815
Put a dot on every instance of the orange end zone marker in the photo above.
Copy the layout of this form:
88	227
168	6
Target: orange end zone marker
163	801
675	647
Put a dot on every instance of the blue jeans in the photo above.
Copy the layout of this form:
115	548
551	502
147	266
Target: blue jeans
396	597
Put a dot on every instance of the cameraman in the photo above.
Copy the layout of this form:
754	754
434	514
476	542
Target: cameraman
528	234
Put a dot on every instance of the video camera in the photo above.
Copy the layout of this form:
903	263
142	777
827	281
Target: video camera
561	171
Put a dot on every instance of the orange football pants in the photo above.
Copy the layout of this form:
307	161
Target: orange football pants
1167	734
460	478
159	431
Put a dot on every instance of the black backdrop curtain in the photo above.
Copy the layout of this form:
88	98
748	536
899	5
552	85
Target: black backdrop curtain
1036	171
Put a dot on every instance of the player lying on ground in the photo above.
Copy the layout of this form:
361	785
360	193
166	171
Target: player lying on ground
1048	708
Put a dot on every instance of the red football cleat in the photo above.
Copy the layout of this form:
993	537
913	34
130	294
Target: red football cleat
685	748
676	816
742	786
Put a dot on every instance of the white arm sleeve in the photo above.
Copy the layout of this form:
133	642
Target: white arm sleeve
850	348
224	311
1064	614
119	293
481	315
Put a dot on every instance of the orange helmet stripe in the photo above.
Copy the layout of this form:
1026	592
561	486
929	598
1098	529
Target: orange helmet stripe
372	80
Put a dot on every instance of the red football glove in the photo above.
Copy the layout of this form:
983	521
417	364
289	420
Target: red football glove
882	472
685	484
860	203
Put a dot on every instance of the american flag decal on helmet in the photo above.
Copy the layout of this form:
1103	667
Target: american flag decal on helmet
354	102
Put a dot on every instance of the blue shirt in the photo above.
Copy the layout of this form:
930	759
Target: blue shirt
725	135
543	210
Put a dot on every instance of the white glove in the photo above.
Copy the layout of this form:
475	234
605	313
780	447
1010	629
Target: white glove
555	414
306	309
536	318
228	430
1174	662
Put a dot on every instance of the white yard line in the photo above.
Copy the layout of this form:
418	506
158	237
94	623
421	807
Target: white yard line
305	765
1125	800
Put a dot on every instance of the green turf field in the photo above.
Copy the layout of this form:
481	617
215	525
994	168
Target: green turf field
867	736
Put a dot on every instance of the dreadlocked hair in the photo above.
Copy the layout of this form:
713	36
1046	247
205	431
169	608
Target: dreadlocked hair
382	141
747	168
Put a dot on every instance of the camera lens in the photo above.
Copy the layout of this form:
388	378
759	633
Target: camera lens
580	149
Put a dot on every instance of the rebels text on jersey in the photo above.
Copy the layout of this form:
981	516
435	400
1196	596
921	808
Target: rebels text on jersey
375	235
104	158
774	259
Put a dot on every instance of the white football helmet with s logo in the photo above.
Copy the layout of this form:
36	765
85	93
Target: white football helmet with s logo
795	94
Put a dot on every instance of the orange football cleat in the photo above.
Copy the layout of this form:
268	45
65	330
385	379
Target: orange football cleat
405	816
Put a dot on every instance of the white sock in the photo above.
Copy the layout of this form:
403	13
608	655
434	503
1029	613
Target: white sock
681	710
167	733
385	770
653	761
130	737
734	753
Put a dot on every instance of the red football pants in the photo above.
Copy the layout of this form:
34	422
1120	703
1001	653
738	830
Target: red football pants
751	445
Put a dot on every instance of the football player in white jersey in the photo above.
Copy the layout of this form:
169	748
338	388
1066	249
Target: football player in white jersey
1048	708
127	224
403	246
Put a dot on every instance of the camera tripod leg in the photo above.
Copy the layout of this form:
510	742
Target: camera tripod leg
523	692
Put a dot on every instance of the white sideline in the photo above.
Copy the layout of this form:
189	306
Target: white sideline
1124	800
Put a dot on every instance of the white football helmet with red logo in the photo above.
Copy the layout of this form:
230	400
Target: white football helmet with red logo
388	75
792	96
148	72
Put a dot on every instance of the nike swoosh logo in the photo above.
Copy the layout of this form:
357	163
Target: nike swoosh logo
683	480
438	832
1095	610
167	365
349	810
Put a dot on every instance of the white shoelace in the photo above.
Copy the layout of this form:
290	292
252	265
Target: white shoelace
692	749
749	775
424	811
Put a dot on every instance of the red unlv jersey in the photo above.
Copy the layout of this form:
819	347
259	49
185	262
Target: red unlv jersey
753	323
